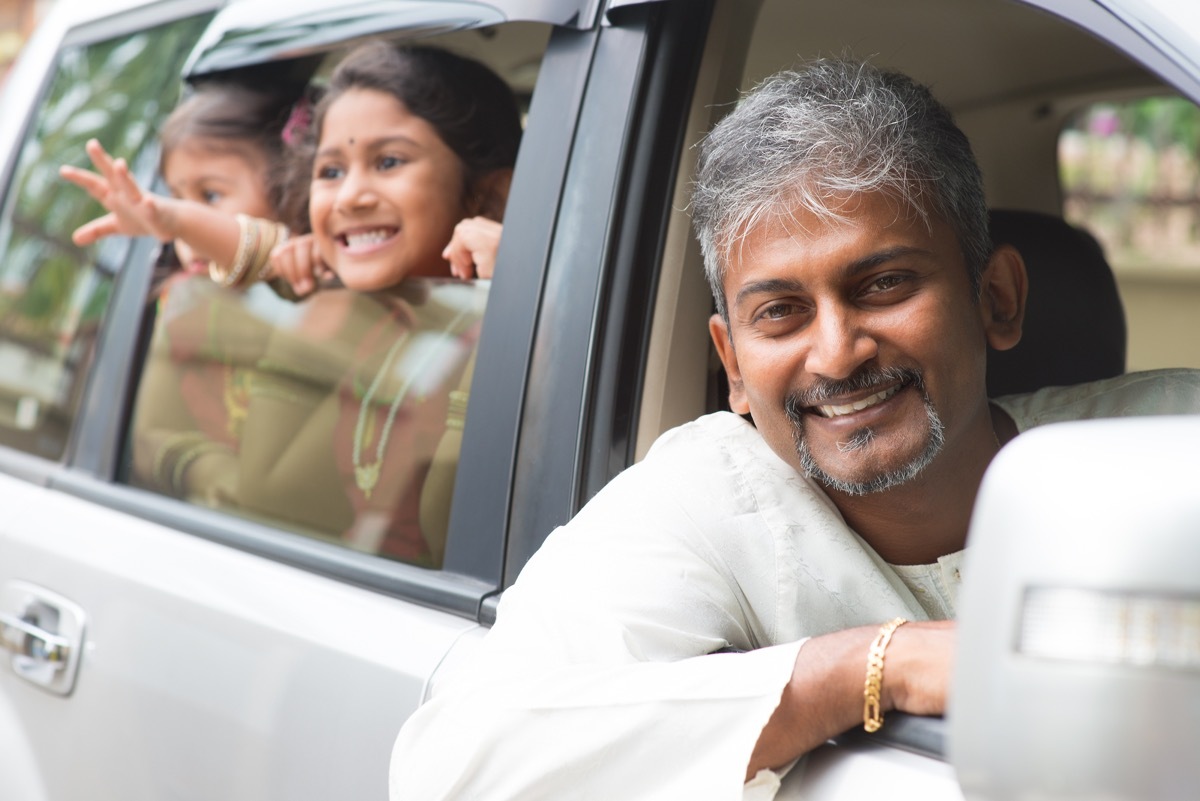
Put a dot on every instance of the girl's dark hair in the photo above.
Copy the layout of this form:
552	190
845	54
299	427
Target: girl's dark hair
472	109
234	114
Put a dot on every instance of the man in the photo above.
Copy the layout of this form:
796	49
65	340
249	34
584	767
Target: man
844	230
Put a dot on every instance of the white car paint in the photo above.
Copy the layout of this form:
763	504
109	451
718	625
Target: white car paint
210	667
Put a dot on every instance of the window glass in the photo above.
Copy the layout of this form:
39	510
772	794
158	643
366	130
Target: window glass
1131	175
52	294
340	416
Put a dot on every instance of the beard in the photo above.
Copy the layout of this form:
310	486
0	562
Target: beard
863	438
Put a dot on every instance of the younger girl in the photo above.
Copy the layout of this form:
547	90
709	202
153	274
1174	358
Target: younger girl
223	154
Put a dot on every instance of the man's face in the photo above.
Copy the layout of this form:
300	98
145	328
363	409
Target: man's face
857	346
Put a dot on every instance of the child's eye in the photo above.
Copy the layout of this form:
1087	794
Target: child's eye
211	197
327	172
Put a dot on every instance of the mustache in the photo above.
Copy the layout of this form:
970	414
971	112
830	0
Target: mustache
824	390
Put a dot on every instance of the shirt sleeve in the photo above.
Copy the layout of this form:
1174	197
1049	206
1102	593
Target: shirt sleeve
598	681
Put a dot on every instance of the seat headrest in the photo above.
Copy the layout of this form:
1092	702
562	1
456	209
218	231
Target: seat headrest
1074	328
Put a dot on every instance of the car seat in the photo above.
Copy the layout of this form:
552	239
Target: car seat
1074	328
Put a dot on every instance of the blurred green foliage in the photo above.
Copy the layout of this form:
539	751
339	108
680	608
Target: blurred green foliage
53	294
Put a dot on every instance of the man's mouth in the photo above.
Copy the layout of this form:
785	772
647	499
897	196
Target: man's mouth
356	240
842	409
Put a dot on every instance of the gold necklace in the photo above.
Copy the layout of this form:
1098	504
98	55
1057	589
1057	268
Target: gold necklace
366	476
236	396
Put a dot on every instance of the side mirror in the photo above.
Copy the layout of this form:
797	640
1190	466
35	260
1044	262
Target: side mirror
1078	666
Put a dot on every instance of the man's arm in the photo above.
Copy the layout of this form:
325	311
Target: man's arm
825	694
598	677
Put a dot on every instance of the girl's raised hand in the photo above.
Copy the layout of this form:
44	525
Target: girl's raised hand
472	248
131	212
298	262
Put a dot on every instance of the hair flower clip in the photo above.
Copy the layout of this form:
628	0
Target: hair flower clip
298	122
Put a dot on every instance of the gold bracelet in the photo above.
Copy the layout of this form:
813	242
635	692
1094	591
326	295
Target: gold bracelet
274	234
872	711
249	240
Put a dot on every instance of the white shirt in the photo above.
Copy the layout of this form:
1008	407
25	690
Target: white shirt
596	681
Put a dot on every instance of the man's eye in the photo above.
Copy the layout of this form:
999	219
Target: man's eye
886	282
778	311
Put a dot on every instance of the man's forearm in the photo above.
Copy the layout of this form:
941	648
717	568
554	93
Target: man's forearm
825	694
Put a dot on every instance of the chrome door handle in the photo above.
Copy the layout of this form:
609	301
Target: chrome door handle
44	632
33	642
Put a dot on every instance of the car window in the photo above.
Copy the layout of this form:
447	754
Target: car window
52	294
338	417
1131	174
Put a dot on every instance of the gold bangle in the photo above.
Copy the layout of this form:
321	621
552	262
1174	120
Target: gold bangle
249	242
274	235
873	687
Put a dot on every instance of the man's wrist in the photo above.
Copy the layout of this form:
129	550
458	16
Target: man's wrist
873	684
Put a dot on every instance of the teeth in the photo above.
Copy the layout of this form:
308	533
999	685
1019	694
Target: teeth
366	238
837	410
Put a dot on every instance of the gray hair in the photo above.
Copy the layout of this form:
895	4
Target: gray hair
810	139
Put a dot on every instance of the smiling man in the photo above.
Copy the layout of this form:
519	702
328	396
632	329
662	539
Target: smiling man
844	230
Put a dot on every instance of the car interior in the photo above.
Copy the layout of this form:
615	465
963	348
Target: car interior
1013	76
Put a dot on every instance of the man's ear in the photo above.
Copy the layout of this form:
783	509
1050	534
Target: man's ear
1002	299
719	331
489	194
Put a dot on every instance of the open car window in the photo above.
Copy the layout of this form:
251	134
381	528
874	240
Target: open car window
1130	171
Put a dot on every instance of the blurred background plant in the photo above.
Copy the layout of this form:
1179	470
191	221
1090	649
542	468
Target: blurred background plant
1131	175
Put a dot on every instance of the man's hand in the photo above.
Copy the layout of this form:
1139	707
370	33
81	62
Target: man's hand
917	668
132	212
825	695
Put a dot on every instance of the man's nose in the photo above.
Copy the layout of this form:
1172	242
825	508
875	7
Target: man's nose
838	344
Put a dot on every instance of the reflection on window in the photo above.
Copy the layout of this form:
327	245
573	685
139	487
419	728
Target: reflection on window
1131	175
339	417
52	294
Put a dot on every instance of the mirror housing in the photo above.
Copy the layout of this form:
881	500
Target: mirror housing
1078	666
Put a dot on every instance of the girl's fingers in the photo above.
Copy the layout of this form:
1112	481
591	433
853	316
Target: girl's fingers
95	230
291	261
100	158
98	154
124	183
86	180
461	265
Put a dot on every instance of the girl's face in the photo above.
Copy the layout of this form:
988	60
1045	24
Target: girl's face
209	171
386	192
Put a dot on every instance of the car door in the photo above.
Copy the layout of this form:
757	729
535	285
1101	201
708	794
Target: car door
158	647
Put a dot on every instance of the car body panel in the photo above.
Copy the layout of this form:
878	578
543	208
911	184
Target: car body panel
211	669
